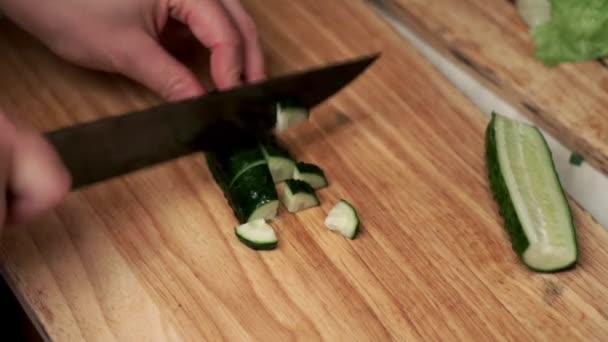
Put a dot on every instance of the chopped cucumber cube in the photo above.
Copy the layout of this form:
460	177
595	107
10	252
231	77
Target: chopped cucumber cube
290	114
343	218
298	195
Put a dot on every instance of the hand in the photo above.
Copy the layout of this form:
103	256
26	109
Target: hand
32	177
123	36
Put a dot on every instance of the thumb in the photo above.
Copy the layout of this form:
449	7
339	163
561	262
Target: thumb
32	177
146	62
37	179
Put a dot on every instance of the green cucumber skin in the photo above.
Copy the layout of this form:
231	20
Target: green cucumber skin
298	186
214	167
309	168
291	103
257	246
500	192
234	159
251	190
272	147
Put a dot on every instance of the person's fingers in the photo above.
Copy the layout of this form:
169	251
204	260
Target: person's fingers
213	27
254	59
146	61
37	180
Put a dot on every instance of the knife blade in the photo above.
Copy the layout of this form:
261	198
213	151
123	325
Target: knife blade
118	145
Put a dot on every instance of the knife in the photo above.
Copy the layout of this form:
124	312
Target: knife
117	145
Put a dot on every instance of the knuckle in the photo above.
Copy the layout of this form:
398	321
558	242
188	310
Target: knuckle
174	86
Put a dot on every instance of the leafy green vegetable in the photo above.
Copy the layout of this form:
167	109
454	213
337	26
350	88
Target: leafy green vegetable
576	159
577	31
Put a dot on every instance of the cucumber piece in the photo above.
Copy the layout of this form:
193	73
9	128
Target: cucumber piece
254	195
576	159
243	175
257	234
529	194
280	163
290	113
311	174
343	219
298	196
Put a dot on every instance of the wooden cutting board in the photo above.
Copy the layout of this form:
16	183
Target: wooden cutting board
490	40
152	256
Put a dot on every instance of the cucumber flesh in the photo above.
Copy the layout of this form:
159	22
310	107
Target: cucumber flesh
311	174
257	234
280	168
290	114
298	196
280	163
266	211
528	192
343	219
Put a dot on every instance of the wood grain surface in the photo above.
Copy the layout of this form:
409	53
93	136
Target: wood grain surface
152	256
491	41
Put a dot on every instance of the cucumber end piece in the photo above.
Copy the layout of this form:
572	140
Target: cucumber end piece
343	219
257	235
531	201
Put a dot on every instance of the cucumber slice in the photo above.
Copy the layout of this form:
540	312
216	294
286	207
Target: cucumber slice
257	235
298	195
530	197
290	113
343	218
280	163
311	174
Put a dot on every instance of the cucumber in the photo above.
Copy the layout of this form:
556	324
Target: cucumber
254	196
290	113
298	195
245	179
343	219
257	234
311	174
280	163
576	159
529	195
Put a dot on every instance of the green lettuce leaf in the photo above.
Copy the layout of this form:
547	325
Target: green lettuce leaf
577	31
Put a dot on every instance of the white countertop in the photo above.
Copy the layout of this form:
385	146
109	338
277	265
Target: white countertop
587	186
